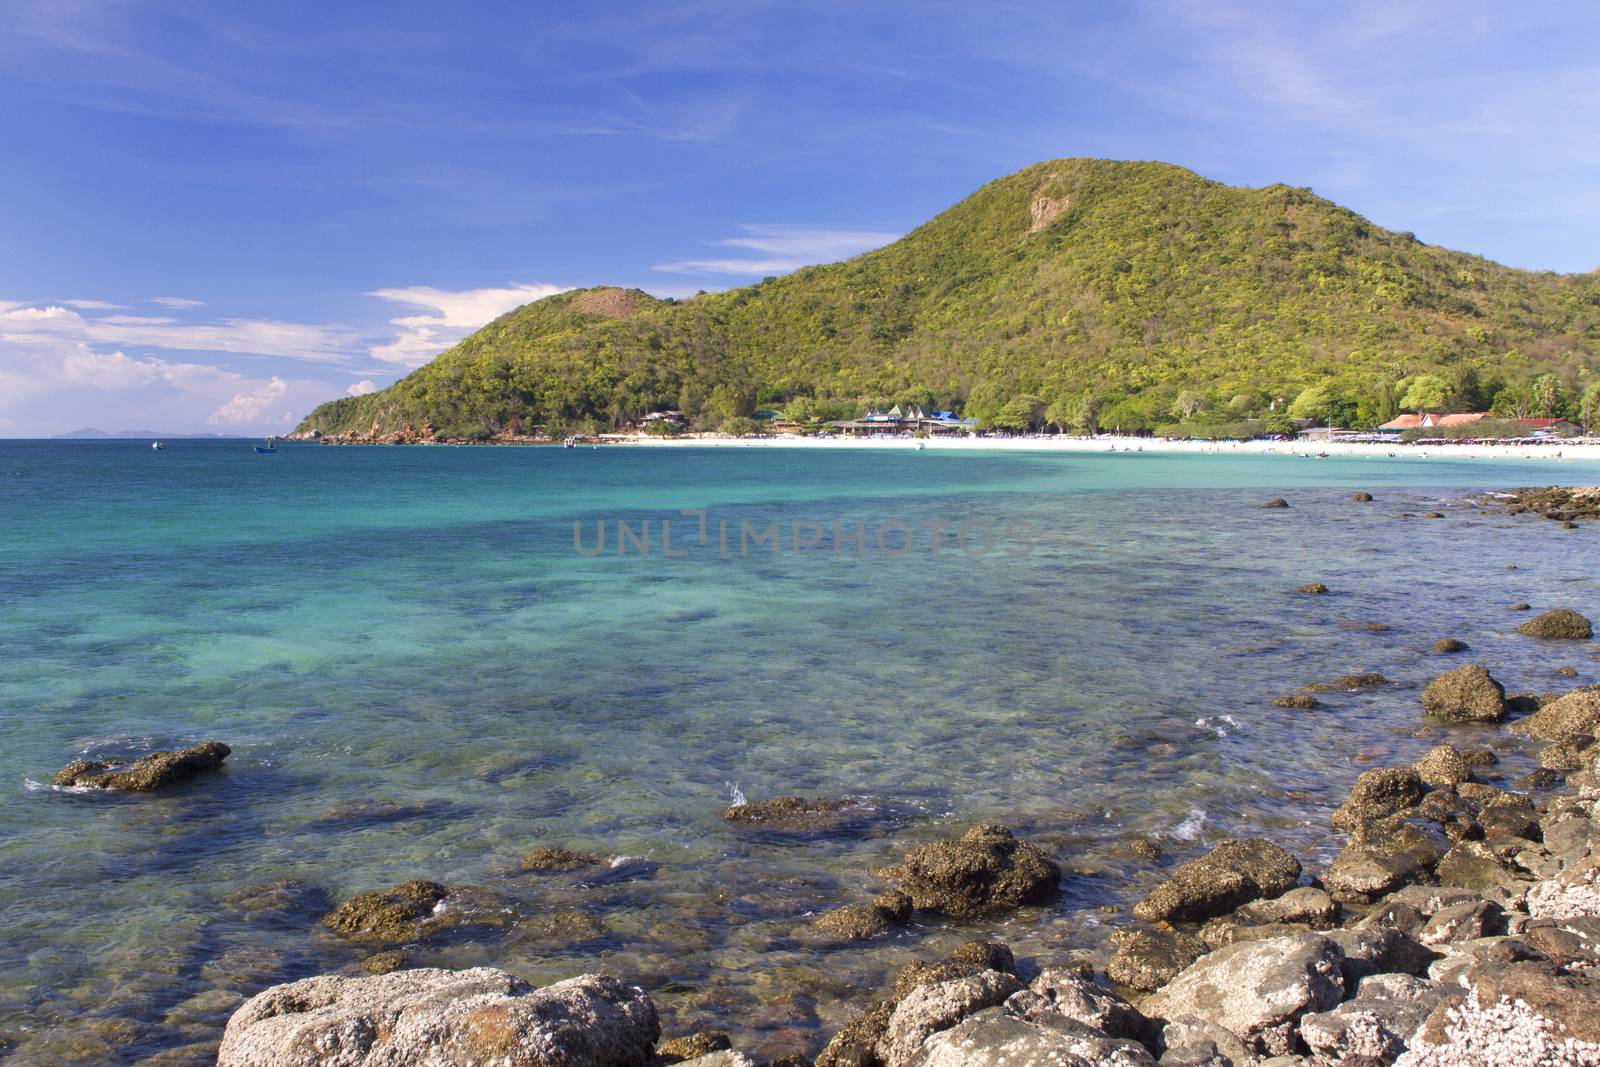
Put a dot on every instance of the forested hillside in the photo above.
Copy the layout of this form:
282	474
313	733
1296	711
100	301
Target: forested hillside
1081	292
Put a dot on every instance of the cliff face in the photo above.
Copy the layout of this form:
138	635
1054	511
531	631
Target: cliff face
1072	275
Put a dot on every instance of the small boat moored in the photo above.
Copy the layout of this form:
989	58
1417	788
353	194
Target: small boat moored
265	450
158	446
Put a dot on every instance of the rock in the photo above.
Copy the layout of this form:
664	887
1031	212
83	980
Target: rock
1500	1032
1448	645
692	1045
1562	624
971	958
987	870
1376	1026
387	915
1442	765
431	1018
1361	873
862	922
1434	515
384	962
798	815
1573	894
1574	717
856	1045
1510	817
1303	905
1361	497
1464	922
929	1009
1567	671
723	1058
287	901
1276	502
1378	793
998	1038
1233	873
1474	865
1370	950
148	773
1351	683
1257	989
372	812
1193	1042
1303	701
556	860
1313	589
1147	959
1521	605
1079	997
1466	694
562	927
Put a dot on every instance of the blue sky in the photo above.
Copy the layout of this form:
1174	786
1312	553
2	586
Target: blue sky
215	215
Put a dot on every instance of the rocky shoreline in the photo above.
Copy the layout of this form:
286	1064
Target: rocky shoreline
1458	924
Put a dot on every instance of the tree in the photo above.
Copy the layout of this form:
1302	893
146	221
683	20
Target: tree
1426	392
1513	402
1086	415
1189	404
1061	412
730	402
1020	414
1549	396
1323	402
1590	408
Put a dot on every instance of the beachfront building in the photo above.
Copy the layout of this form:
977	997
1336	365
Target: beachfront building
896	421
1428	421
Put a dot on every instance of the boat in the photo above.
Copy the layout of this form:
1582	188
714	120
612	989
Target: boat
265	450
571	442
158	446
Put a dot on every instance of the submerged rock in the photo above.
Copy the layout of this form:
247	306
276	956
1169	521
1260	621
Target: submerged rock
1449	645
287	900
148	773
986	870
1562	624
1276	502
1233	873
556	860
1361	497
1313	589
1303	701
693	1045
429	1017
387	915
1466	694
382	810
798	815
862	922
1350	683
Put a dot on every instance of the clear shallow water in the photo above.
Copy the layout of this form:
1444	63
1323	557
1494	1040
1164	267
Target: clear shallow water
414	625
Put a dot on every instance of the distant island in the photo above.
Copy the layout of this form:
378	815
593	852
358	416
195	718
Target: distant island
89	433
1077	294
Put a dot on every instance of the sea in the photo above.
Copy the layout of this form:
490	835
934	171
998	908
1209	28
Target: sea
429	661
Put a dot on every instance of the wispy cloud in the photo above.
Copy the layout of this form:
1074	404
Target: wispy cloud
450	316
785	248
179	303
22	324
88	305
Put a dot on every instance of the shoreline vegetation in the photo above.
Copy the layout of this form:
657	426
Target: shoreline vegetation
1549	449
1458	925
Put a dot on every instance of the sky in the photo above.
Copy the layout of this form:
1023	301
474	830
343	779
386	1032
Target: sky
216	215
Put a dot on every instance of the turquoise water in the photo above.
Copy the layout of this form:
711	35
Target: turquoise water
414	626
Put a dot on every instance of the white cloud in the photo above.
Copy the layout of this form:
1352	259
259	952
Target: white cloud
262	337
114	370
89	305
786	248
254	408
453	315
179	303
361	388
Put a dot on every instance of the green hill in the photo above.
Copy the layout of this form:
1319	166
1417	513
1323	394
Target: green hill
1134	289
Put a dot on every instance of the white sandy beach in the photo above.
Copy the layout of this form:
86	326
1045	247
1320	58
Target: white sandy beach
1563	451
